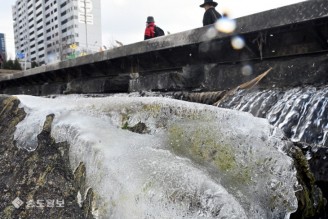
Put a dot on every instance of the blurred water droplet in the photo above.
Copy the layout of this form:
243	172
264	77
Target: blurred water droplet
247	70
204	47
237	42
225	25
211	33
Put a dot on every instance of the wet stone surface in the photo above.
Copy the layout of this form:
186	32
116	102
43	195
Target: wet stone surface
37	184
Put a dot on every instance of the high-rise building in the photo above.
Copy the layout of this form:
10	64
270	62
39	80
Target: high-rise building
46	31
3	52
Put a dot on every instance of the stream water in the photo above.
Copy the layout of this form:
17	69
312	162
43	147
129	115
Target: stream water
300	112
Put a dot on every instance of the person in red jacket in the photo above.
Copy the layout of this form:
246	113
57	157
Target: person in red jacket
152	30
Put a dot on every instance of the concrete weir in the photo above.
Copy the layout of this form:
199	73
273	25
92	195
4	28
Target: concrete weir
292	40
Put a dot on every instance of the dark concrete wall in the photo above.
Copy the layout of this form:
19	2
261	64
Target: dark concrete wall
294	36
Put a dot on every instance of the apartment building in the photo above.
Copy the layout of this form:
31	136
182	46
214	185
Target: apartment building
3	50
45	30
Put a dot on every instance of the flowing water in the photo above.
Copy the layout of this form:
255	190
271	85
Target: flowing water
300	112
192	160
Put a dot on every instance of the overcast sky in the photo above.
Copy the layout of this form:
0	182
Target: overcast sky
124	20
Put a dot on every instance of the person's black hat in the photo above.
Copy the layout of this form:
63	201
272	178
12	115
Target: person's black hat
150	19
208	2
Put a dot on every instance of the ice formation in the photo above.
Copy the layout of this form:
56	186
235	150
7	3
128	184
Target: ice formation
193	161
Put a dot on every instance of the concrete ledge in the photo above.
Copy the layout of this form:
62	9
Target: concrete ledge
271	36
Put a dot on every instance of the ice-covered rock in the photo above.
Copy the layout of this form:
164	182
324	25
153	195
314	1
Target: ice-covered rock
193	160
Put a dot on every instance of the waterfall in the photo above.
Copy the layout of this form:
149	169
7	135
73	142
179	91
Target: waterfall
189	161
300	112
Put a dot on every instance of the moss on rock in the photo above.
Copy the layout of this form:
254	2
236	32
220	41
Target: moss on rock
202	146
310	199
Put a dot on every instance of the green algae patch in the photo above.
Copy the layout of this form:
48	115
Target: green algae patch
10	114
8	104
125	125
203	146
154	108
310	199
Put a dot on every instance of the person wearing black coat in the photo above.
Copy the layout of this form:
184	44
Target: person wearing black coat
211	15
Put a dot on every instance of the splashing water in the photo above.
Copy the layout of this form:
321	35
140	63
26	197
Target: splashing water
196	161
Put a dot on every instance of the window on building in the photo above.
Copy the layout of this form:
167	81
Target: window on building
64	22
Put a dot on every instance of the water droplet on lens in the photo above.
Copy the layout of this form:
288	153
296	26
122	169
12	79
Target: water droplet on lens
225	25
247	70
237	42
211	33
204	47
